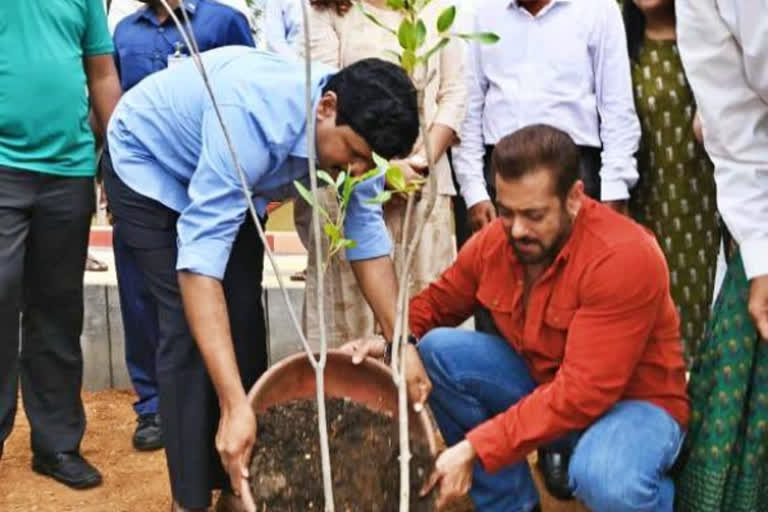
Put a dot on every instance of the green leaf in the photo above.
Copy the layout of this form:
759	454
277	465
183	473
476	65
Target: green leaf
332	231
374	19
382	198
366	176
326	178
444	41
407	35
408	61
381	163
348	244
481	37
395	178
396	4
340	179
309	198
421	33
306	194
445	21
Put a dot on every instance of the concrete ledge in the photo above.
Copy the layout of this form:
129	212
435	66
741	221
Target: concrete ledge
103	341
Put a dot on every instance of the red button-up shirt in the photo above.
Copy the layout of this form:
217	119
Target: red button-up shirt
599	327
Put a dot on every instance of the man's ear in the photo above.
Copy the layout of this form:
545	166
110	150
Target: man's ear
574	199
327	107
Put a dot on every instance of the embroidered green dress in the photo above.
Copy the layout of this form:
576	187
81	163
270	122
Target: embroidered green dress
675	196
724	464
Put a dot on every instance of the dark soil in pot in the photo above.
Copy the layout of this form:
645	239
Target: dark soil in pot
286	475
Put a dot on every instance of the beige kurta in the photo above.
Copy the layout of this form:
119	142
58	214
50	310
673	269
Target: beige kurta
343	40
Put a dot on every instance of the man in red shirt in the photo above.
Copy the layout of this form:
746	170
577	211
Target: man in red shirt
588	350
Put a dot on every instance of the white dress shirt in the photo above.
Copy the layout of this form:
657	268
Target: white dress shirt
724	48
283	27
567	67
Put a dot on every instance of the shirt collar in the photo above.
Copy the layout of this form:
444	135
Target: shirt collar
516	4
148	14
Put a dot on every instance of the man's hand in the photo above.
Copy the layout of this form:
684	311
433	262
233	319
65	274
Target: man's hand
371	346
758	304
234	442
480	214
621	206
417	381
416	378
453	471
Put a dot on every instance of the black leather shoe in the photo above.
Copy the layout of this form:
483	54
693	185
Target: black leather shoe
69	468
149	433
553	465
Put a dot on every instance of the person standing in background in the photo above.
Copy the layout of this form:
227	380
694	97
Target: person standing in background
147	41
342	35
724	48
675	195
62	52
559	62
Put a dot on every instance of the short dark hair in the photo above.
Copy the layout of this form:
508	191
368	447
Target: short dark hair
538	146
378	101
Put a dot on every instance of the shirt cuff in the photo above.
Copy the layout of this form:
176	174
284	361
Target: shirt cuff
475	193
753	255
613	190
204	257
490	443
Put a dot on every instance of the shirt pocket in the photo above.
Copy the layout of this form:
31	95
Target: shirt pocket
559	317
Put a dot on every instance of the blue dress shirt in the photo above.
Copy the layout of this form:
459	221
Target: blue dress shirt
166	144
143	45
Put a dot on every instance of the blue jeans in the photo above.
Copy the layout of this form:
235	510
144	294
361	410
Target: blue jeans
619	463
140	326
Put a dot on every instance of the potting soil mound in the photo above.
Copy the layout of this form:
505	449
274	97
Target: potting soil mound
286	473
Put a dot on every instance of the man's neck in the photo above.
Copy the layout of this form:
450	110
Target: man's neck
660	24
161	13
533	6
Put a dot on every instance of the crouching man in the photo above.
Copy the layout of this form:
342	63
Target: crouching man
588	353
179	207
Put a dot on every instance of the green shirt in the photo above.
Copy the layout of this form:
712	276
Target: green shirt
43	99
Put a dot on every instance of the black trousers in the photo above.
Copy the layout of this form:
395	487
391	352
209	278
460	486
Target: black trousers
187	401
44	225
590	175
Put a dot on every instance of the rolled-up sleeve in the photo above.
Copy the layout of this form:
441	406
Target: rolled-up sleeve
365	223
208	226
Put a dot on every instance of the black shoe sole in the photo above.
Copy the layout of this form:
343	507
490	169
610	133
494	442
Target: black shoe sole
148	446
86	483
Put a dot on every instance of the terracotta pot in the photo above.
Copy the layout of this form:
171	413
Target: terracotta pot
369	383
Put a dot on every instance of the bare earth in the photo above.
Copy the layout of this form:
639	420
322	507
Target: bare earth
133	481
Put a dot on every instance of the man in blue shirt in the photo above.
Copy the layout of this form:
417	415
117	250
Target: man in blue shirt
147	41
173	180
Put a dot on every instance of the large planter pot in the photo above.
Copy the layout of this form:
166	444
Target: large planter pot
369	383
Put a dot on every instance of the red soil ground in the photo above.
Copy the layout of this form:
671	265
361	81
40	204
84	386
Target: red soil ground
133	481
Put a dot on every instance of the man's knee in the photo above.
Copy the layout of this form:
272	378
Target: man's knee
435	344
615	486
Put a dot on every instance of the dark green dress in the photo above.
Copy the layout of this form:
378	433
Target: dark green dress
675	197
724	464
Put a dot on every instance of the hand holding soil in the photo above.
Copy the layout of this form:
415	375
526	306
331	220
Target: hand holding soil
234	442
453	472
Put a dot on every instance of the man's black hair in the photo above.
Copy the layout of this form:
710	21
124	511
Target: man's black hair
377	100
537	147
